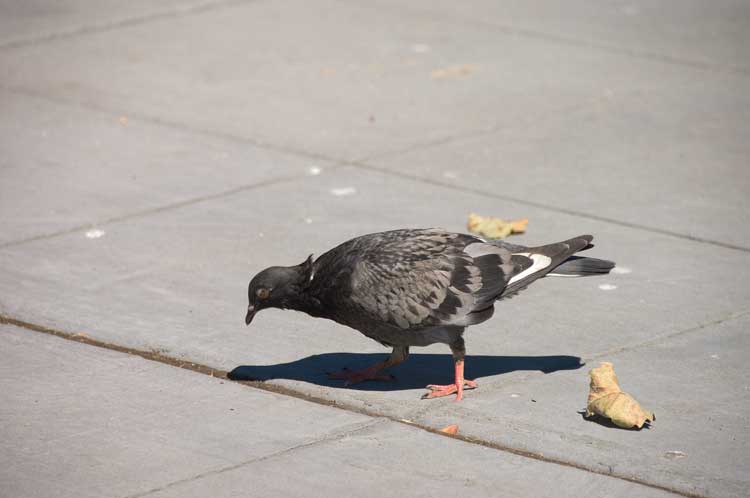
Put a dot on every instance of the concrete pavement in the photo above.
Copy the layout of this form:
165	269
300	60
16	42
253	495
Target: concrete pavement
155	157
91	422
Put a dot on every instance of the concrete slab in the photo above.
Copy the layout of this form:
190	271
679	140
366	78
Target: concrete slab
76	425
694	383
63	167
646	104
176	282
413	462
675	31
346	80
82	421
677	165
32	21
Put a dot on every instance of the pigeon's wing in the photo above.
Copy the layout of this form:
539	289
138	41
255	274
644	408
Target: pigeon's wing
423	278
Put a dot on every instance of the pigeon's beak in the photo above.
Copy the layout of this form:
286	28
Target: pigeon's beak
250	314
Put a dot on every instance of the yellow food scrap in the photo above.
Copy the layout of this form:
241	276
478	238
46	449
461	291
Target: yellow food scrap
607	399
495	228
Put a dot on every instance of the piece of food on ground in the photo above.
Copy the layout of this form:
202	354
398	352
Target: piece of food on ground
495	228
607	399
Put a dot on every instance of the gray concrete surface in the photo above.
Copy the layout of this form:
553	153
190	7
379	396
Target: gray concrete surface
91	167
689	32
80	421
34	21
153	159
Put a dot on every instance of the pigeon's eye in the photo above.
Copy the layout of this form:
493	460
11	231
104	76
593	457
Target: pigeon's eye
263	293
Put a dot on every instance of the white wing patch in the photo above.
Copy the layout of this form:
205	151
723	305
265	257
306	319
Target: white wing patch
540	263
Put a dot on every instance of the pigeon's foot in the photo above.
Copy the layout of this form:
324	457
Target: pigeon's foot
438	391
356	376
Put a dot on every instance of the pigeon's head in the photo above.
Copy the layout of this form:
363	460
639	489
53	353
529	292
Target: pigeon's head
277	287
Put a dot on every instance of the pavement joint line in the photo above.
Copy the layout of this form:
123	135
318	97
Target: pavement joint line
185	364
568	112
157	209
174	125
337	162
605	47
670	335
523	377
127	22
577	42
333	436
548	207
507	29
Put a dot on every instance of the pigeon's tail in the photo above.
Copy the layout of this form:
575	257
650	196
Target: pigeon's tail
536	262
577	266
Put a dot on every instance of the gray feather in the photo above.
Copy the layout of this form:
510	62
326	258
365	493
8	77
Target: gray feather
415	279
582	266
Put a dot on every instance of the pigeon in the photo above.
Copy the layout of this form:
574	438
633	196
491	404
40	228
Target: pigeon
415	287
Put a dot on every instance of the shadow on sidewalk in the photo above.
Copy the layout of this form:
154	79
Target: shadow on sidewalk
418	371
605	422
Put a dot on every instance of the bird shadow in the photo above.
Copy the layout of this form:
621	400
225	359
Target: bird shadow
418	371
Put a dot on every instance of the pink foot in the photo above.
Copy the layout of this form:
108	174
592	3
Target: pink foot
457	387
357	376
437	391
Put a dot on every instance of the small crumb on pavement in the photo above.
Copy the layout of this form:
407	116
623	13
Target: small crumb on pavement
343	191
674	454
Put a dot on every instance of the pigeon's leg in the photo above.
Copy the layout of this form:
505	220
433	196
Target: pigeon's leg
399	354
436	391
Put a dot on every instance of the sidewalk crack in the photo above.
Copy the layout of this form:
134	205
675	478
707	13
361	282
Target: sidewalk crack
333	436
377	417
669	335
126	22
